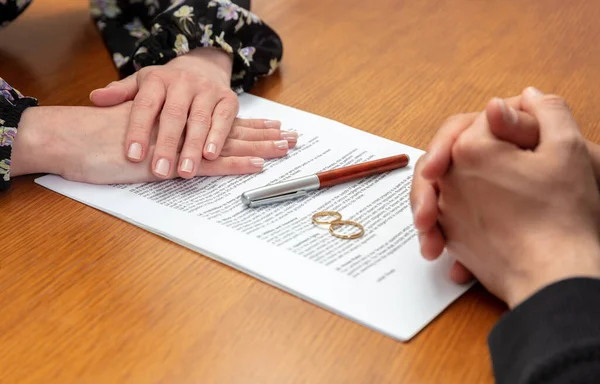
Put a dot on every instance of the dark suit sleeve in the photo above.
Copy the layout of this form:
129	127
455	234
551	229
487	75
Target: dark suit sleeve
551	338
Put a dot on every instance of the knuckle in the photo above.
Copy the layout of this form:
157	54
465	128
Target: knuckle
153	74
194	144
137	128
225	113
203	84
237	163
144	102
199	117
228	108
573	143
554	102
256	124
185	77
257	147
174	111
168	142
264	135
466	151
230	95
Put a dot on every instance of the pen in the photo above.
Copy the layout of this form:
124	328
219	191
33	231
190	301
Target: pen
299	187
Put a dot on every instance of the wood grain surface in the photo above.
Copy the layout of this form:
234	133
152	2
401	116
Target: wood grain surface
87	298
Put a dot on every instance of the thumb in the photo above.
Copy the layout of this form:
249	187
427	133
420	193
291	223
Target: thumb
553	114
508	124
116	92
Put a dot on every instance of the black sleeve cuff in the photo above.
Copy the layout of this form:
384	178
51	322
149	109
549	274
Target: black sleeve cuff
553	337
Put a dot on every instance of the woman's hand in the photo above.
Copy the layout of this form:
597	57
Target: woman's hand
523	219
190	94
85	144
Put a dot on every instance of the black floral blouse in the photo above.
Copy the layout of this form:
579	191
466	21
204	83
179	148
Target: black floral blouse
140	33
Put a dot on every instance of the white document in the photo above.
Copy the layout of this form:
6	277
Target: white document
379	280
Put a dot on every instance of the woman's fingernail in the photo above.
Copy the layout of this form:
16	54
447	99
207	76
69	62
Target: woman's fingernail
511	116
289	136
272	123
135	151
187	165
162	167
211	148
282	144
532	91
257	162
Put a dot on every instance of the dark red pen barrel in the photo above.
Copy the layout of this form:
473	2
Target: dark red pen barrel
353	172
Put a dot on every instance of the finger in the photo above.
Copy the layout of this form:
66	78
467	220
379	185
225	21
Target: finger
424	204
263	149
257	123
423	199
440	149
460	274
509	124
556	121
231	166
222	121
223	166
173	119
432	243
239	132
116	92
146	106
198	125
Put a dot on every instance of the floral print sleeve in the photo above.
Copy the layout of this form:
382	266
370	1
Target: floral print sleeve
12	105
12	102
140	33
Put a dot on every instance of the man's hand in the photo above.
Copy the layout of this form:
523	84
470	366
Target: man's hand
506	121
522	219
85	144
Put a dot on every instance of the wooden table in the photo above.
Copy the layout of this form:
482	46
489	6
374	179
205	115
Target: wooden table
85	297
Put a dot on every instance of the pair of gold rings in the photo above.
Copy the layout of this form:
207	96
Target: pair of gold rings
336	223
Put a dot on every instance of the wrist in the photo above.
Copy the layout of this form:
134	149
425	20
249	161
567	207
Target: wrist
572	259
213	60
33	149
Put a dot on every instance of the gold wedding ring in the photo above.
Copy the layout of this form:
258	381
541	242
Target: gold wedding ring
326	213
339	223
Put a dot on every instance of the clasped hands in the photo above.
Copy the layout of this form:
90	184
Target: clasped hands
178	119
512	194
